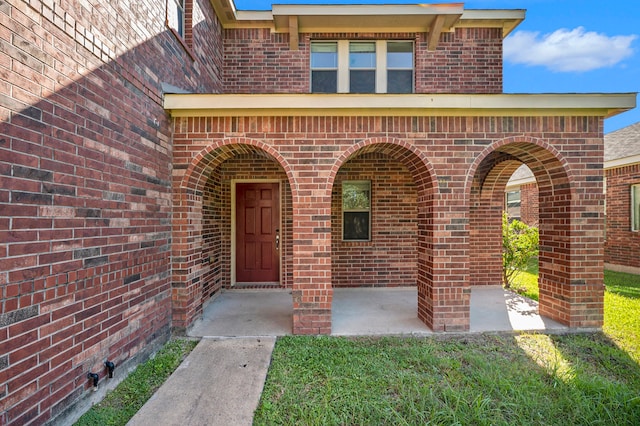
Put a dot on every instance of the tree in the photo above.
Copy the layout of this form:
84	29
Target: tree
519	245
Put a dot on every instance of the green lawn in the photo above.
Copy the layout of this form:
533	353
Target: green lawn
487	379
129	396
621	305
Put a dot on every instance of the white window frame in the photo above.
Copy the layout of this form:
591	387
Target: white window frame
177	9
381	64
635	207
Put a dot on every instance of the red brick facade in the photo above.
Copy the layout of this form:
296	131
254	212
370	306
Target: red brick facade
85	200
458	202
116	219
468	61
622	245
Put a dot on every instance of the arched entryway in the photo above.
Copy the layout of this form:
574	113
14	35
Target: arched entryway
570	257
382	194
205	252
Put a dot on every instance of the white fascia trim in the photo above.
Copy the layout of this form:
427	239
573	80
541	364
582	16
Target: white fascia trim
253	15
604	105
367	10
621	162
493	14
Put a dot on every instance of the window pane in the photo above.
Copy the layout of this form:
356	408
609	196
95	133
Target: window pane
356	195
635	207
400	81
513	198
324	55
362	81
356	226
400	54
362	55
175	16
324	82
324	47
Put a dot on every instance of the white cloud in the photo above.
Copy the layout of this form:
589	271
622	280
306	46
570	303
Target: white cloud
567	50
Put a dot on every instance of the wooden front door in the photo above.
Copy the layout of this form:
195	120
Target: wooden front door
257	232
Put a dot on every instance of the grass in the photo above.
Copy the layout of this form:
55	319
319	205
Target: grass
526	282
621	305
129	396
486	379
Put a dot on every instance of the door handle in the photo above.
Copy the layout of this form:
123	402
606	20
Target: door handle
277	239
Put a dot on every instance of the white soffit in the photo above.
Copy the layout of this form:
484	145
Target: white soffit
370	18
604	105
366	18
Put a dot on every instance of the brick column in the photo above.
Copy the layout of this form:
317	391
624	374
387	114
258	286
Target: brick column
485	239
571	251
312	290
186	289
444	293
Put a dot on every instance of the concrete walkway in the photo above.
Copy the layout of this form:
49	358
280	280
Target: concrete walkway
220	382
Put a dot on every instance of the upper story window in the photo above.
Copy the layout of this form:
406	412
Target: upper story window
324	67
362	66
176	15
400	67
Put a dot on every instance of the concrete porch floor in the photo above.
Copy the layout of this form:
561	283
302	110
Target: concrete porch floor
239	330
363	311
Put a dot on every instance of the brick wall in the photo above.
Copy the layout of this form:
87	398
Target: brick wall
453	162
622	246
85	204
390	258
466	61
529	205
259	61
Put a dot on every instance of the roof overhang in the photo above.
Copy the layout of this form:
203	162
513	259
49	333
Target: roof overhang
225	105
621	162
432	18
372	18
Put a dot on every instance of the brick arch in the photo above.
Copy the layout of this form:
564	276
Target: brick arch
424	177
542	158
187	221
218	152
485	186
415	160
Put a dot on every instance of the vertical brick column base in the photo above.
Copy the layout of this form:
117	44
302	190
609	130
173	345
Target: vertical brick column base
445	308
311	318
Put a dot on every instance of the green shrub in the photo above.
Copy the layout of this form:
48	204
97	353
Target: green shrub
519	245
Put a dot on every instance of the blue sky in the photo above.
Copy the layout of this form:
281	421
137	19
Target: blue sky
563	46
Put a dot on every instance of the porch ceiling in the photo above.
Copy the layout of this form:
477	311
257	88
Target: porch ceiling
225	105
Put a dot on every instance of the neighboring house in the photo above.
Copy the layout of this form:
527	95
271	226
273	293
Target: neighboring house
153	153
622	198
622	186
